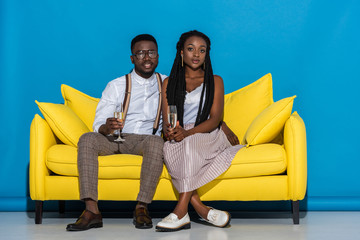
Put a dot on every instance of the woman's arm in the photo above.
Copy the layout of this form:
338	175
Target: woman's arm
233	139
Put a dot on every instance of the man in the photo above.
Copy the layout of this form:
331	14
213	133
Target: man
137	130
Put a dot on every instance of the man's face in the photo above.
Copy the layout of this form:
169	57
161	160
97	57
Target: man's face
145	58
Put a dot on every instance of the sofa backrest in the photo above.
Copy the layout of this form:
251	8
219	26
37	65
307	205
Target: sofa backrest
240	109
244	105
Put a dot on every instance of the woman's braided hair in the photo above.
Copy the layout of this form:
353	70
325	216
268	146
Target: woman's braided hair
176	88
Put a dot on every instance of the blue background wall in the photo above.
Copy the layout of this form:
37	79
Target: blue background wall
311	48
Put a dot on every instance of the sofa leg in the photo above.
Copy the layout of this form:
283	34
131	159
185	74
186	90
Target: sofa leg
38	212
61	206
295	206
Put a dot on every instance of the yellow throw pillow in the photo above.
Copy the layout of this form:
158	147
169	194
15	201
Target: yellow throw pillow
242	106
83	105
268	124
63	121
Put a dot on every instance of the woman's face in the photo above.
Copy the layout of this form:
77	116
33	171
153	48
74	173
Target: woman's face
194	52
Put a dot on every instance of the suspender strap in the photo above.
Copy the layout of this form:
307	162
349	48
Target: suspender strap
157	119
127	96
127	100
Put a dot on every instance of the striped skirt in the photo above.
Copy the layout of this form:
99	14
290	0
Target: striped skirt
198	159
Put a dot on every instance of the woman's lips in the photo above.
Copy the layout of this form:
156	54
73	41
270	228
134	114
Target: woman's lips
195	61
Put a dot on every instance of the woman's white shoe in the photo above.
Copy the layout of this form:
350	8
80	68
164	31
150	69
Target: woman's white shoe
218	218
172	223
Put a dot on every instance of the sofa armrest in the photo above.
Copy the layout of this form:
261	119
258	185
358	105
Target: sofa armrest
295	147
41	139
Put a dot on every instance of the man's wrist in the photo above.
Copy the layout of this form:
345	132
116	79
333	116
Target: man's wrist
103	130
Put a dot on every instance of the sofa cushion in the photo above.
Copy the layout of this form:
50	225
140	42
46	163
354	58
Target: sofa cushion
63	122
62	160
83	105
259	160
242	106
268	124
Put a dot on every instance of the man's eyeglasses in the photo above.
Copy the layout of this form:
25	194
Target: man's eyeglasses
141	54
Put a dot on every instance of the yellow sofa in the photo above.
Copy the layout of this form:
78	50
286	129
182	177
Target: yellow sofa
272	166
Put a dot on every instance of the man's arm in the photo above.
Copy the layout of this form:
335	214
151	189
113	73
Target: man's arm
113	94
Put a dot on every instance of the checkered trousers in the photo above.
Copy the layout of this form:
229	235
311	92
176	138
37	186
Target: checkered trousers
91	145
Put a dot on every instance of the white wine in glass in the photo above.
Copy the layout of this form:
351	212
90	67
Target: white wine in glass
119	114
172	115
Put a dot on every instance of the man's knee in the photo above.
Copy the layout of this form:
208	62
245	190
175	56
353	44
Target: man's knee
153	146
153	141
87	139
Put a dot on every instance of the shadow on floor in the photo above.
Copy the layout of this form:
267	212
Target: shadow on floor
193	215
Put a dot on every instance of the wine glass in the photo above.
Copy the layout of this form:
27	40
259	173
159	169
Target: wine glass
119	114
172	115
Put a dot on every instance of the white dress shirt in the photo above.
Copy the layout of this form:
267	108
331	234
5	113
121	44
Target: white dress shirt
144	100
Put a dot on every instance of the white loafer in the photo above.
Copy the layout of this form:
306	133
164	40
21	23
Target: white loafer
172	223
218	218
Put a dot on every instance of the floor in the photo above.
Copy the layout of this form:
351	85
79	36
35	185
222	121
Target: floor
244	225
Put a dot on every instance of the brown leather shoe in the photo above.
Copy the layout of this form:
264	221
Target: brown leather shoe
142	218
86	221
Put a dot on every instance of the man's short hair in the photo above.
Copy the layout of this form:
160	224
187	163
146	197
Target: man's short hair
142	37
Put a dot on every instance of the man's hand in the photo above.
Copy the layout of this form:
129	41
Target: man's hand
233	139
111	125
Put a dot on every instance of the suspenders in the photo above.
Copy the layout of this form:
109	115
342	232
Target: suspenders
127	100
157	119
127	96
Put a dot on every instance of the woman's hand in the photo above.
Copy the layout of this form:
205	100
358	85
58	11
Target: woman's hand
178	133
168	131
233	139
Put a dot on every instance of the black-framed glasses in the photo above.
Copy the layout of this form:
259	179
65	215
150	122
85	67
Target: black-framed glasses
141	54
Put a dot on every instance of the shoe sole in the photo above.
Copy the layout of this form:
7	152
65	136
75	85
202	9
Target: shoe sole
139	226
95	225
163	229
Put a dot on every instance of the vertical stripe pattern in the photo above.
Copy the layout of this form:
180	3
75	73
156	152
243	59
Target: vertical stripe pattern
198	159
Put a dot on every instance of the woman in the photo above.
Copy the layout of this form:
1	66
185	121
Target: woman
198	149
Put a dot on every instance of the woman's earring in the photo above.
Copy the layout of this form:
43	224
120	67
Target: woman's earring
182	60
204	65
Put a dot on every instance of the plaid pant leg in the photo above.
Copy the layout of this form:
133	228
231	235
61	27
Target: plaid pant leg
151	148
90	146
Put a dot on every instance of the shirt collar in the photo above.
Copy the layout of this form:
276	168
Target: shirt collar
143	81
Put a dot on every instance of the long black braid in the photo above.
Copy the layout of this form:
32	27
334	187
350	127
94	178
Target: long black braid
176	88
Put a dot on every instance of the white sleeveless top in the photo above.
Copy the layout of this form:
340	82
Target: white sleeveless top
191	104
